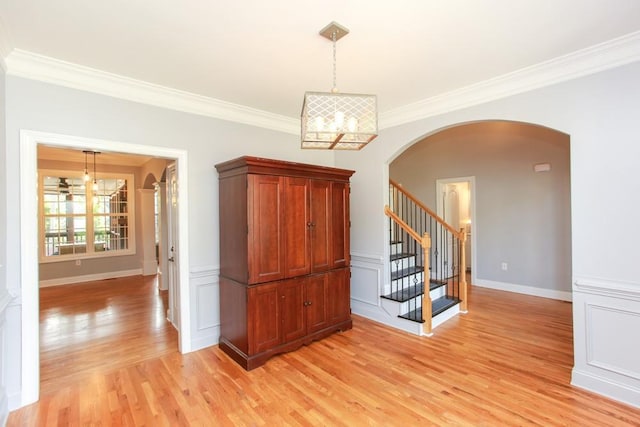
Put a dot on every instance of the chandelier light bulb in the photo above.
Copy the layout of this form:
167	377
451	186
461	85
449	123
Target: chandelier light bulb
352	124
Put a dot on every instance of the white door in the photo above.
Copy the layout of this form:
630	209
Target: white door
455	206
172	245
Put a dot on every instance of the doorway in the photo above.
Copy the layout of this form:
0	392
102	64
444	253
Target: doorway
455	203
29	141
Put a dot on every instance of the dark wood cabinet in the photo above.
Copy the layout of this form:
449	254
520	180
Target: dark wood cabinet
284	256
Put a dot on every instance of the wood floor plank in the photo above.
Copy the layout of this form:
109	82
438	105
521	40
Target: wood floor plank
507	362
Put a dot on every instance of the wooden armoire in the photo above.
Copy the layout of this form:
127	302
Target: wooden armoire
284	256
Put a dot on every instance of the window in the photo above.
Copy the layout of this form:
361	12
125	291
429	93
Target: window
81	221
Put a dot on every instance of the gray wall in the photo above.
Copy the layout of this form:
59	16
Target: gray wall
522	218
4	295
37	106
3	181
44	107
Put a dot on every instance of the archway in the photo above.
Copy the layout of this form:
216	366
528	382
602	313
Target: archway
522	230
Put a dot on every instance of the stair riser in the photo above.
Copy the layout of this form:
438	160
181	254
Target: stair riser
396	248
407	281
403	263
406	306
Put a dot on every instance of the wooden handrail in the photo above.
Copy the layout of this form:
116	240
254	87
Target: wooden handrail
401	223
426	209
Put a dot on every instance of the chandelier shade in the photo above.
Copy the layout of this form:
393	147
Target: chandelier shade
334	120
340	121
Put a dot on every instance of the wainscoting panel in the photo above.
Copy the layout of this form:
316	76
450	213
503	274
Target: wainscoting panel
205	320
607	338
5	299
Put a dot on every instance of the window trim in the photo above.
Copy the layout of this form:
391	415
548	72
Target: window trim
131	214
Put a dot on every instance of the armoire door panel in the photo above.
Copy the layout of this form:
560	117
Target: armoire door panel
339	238
265	228
339	295
316	302
263	311
320	225
292	309
297	227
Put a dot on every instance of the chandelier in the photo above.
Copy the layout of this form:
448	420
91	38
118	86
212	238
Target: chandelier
338	121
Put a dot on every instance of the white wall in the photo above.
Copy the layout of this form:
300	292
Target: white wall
600	113
523	218
44	107
5	298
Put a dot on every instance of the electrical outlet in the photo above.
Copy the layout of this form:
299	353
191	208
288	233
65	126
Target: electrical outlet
78	262
504	266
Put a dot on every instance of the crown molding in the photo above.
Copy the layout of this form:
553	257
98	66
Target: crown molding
613	53
607	55
50	70
5	44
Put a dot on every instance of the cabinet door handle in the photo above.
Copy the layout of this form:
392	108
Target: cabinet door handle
311	224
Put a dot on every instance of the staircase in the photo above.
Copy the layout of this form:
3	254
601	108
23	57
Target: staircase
423	246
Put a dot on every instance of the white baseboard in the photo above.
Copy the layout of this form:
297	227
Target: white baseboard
613	390
527	290
149	267
89	277
204	341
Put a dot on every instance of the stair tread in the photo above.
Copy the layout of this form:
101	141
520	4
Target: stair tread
408	292
401	255
438	306
406	272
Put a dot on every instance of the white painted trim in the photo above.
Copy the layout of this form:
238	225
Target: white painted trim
29	270
523	289
6	46
366	258
42	68
5	300
441	318
205	334
204	271
603	56
211	339
89	278
610	54
29	238
606	387
608	288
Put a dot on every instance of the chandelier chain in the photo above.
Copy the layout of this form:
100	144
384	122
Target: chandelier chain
333	37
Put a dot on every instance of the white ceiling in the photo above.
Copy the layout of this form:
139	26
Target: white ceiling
266	54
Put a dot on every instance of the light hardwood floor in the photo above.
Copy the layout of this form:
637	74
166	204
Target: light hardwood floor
507	362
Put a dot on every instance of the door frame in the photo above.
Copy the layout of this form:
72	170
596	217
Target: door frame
440	184
29	263
172	232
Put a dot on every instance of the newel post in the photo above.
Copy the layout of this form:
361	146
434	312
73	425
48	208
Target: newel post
426	298
463	271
